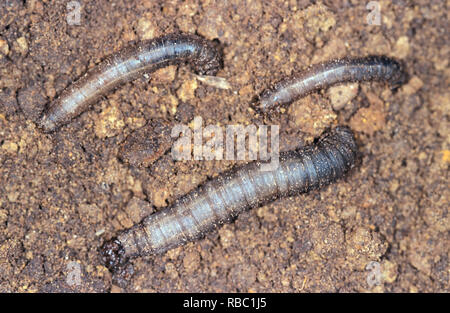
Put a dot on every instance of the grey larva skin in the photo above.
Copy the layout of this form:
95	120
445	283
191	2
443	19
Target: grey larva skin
127	65
220	200
371	68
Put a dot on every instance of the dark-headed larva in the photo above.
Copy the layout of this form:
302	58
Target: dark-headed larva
127	65
221	199
371	68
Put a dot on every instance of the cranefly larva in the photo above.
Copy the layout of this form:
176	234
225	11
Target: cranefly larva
371	68
127	65
221	199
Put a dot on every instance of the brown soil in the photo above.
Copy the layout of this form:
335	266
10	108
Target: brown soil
62	195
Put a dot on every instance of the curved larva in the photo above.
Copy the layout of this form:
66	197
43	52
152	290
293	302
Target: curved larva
219	200
319	76
127	65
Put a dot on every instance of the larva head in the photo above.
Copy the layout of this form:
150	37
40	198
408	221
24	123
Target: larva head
346	136
46	123
274	97
395	72
208	60
113	255
267	101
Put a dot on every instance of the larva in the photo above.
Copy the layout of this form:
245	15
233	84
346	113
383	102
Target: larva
221	199
127	65
371	68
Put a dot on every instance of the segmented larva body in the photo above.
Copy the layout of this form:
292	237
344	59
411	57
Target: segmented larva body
221	199
127	65
371	68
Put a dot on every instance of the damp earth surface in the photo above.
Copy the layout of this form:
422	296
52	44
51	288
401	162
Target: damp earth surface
62	195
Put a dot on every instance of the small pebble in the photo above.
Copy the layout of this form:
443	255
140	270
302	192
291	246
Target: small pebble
146	28
4	48
110	122
22	45
341	95
187	90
